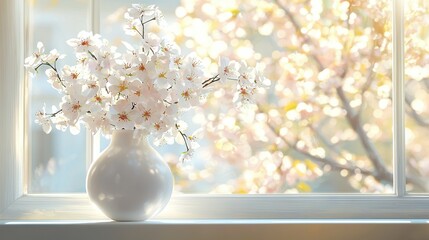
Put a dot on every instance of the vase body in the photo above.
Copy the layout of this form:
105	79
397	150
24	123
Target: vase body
129	181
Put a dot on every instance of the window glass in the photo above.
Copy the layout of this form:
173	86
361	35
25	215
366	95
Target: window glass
417	93
58	161
325	124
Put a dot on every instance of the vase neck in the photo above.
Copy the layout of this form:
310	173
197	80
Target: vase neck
127	137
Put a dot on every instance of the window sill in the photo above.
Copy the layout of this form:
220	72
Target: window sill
249	217
258	207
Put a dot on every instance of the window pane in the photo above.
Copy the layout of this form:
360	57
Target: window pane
417	94
325	124
58	161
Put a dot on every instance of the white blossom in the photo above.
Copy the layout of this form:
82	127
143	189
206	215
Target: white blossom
52	57
74	104
54	80
151	43
139	10
35	59
44	121
85	42
260	80
159	17
120	86
98	121
186	95
169	48
246	76
146	88
131	26
186	156
141	67
228	69
72	74
123	115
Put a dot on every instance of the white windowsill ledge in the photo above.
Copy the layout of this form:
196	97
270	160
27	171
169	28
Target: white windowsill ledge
73	216
194	207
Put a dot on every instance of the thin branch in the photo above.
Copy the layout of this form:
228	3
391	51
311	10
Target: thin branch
326	160
216	79
184	138
171	103
56	71
92	55
413	114
54	114
210	79
354	120
152	19
141	35
213	81
387	176
38	66
141	22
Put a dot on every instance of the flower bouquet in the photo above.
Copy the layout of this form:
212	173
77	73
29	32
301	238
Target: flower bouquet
147	88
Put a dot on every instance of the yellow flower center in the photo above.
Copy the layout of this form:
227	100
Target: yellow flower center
162	75
186	95
122	87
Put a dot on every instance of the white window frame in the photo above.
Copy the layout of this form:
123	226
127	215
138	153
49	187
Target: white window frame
15	203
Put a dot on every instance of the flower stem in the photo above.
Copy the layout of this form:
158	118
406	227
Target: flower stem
213	80
54	114
39	66
143	23
184	138
210	79
55	69
92	55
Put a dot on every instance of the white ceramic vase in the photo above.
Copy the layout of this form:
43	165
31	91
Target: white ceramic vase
129	181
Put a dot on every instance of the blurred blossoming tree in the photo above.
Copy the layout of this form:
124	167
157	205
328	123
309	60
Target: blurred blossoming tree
329	109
